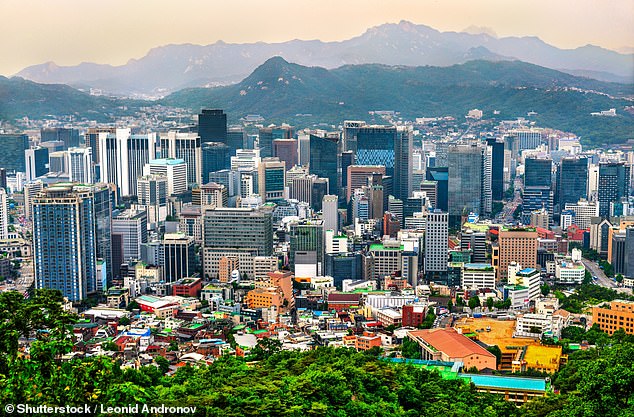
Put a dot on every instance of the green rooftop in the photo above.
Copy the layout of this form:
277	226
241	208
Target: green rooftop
380	246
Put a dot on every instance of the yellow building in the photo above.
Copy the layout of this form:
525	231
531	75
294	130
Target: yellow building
620	315
539	358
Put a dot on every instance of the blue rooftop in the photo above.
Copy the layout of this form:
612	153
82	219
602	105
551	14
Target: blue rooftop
167	161
506	382
528	271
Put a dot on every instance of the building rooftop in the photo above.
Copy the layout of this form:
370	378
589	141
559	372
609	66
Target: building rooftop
450	342
167	161
479	267
380	246
507	382
543	355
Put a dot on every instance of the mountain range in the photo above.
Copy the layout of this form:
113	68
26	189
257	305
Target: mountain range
169	68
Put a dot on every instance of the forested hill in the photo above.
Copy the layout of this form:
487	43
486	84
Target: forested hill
286	92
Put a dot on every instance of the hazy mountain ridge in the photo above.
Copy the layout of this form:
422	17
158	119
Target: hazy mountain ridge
172	67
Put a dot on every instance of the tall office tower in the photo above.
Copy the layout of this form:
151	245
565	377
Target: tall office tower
236	139
297	171
230	179
216	156
55	146
347	159
212	126
91	139
248	183
64	249
103	198
242	232
395	206
271	179
614	184
36	162
350	132
442	147
152	197
80	165
31	190
185	146
629	253
358	176
58	162
403	151
528	138
70	137
4	215
436	245
465	181
303	149
301	188
497	168
212	195
175	170
12	155
286	150
324	154
266	135
430	188
306	247
3	178
246	158
330	213
572	184
441	176
375	146
123	156
487	171
131	225
319	190
374	192
538	192
179	257
516	245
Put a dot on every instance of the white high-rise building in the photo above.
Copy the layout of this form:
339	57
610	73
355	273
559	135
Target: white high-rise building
330	213
175	170
4	215
246	158
584	212
436	243
31	190
80	165
152	197
335	243
123	156
185	146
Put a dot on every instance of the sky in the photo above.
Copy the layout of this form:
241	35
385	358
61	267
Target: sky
69	32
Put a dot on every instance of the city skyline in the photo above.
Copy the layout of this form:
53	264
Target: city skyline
68	33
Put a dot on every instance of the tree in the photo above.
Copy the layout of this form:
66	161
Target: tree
124	321
163	364
133	306
450	306
410	349
173	346
428	322
474	302
490	303
111	346
459	301
545	290
495	349
619	278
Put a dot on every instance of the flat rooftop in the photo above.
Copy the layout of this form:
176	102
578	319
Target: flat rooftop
501	333
507	382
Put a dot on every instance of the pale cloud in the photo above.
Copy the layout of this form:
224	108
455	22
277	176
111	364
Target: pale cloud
73	31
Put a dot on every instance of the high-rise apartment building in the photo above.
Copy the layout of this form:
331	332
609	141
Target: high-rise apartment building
123	156
131	226
64	251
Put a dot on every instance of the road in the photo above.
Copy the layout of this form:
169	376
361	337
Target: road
506	215
602	279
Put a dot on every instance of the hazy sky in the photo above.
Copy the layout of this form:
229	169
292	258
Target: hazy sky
113	31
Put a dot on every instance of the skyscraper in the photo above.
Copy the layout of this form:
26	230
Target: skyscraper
375	146
216	156
185	146
614	184
350	132
572	184
36	162
286	150
212	126
403	150
324	151
306	247
80	165
179	256
271	180
131	225
441	176
91	139
436	245
497	168
175	170
64	249
330	213
466	179
123	156
266	135
538	190
4	215
12	155
31	190
515	245
152	196
69	136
